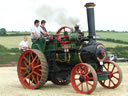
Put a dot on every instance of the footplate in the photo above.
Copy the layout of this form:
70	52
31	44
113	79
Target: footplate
102	76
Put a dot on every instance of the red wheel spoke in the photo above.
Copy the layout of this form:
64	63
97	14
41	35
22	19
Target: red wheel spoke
36	73
34	79
34	59
113	68
88	73
82	87
29	60
79	69
25	64
26	59
31	82
38	61
25	73
40	70
89	83
112	81
76	78
105	67
87	86
115	72
29	79
37	66
77	73
26	77
38	79
108	66
116	78
23	68
31	55
79	84
85	70
109	83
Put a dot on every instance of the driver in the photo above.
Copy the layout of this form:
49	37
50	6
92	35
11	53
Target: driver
43	23
36	31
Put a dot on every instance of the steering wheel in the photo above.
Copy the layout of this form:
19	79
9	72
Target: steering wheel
59	38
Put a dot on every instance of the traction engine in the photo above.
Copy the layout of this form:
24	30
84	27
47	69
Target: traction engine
67	57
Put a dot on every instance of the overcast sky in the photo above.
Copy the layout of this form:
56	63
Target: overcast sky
20	14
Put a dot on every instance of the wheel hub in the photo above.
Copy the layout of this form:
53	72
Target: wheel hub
81	79
29	69
110	75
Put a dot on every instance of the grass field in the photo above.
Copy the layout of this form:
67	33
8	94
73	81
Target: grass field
110	44
12	42
114	35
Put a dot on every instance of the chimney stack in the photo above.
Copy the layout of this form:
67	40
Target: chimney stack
91	22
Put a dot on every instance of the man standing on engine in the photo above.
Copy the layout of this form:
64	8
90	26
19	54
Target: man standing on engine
36	31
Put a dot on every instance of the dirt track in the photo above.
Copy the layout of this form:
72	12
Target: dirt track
10	86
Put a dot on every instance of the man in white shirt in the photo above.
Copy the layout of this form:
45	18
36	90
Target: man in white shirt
24	44
36	31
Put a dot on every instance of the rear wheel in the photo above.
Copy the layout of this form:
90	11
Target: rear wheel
114	77
32	69
83	78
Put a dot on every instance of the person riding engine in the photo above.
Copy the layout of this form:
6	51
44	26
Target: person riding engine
23	45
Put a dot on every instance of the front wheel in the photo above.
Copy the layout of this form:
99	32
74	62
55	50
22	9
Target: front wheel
114	77
83	78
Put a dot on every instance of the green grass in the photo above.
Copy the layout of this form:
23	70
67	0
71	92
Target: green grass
111	44
114	35
12	41
8	57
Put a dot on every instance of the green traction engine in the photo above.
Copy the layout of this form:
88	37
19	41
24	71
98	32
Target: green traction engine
67	57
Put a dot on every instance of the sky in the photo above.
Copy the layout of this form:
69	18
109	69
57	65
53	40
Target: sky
19	15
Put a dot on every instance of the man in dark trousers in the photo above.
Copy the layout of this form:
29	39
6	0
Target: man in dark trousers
43	22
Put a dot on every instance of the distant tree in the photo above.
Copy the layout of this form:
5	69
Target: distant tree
3	31
108	30
113	31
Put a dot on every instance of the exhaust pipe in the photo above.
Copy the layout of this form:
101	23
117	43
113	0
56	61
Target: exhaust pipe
91	22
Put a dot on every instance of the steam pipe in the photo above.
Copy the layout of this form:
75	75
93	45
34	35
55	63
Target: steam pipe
91	22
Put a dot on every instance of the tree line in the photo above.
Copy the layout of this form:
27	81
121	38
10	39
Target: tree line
3	32
109	31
